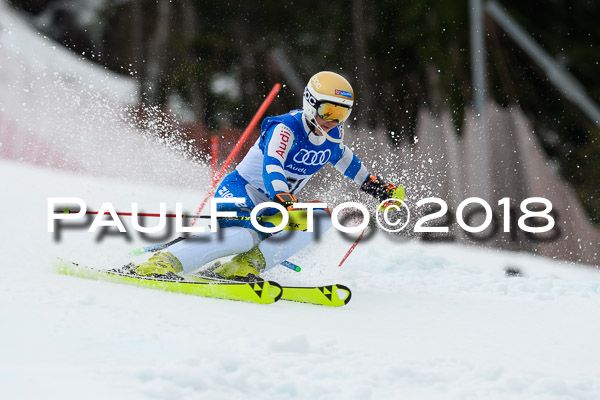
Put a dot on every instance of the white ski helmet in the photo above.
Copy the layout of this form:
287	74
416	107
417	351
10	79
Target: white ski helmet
330	96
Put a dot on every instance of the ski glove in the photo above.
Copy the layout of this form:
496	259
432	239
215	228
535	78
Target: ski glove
287	200
374	186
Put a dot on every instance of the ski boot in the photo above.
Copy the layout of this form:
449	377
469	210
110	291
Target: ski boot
161	265
243	267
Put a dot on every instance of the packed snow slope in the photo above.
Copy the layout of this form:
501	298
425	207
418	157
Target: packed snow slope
424	322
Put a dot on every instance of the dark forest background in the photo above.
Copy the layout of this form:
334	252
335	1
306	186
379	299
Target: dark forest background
217	60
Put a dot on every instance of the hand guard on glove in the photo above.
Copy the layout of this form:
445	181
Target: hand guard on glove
298	220
374	186
287	200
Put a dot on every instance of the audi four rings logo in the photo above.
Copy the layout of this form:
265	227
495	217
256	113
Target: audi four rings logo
312	157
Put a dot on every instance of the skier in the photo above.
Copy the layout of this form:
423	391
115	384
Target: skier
292	147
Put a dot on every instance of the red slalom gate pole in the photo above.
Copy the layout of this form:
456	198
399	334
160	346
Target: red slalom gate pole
261	110
214	154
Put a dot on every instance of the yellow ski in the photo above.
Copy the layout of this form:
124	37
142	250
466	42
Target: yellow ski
331	295
264	292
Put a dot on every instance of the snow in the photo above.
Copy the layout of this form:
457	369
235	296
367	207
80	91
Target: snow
59	109
425	321
36	54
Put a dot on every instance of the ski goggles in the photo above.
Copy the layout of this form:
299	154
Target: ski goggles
333	112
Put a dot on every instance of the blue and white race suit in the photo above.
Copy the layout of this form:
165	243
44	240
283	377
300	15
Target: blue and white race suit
285	156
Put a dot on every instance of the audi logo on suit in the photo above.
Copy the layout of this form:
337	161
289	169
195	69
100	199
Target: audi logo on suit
312	157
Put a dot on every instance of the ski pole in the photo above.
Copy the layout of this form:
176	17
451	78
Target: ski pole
356	242
274	219
126	214
397	194
266	218
291	266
